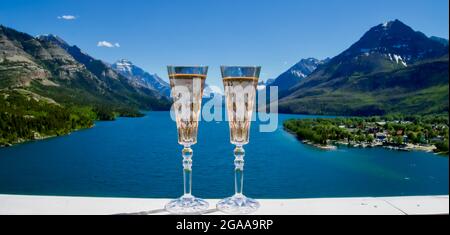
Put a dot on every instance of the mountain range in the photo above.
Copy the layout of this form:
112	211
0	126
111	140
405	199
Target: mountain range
296	73
46	66
391	69
139	77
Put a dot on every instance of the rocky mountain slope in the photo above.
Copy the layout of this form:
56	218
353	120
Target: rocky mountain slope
296	73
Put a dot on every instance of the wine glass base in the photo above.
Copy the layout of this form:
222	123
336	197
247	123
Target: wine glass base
238	205
187	205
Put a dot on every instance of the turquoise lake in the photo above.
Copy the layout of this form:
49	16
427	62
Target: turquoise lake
140	157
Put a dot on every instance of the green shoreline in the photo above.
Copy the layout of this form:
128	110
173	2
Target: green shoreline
25	118
336	146
429	134
45	137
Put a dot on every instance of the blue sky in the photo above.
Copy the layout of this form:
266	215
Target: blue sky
273	34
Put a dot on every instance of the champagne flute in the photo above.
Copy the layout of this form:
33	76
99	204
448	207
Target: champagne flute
240	93
187	83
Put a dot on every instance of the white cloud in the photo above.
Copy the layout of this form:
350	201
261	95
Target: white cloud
107	44
67	17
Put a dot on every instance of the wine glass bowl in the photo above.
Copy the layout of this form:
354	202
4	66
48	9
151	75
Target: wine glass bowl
240	84
187	84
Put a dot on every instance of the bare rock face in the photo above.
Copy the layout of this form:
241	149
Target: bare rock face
110	73
9	51
57	53
25	59
18	67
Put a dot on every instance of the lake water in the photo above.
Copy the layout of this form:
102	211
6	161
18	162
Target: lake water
140	157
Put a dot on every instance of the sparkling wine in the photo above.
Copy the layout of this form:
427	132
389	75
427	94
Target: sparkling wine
240	93
240	84
187	93
187	83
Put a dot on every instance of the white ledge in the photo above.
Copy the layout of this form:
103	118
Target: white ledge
50	205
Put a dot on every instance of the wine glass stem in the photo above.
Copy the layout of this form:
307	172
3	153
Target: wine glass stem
187	170
239	154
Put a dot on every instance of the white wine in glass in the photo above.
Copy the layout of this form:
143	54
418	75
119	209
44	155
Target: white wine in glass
187	83
240	94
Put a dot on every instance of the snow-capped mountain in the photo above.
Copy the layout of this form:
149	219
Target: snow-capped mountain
305	67
392	43
140	77
384	71
387	46
296	73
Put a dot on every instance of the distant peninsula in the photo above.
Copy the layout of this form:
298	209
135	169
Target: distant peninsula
405	133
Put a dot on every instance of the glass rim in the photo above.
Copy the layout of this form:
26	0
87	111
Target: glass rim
201	70
241	66
241	71
187	66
